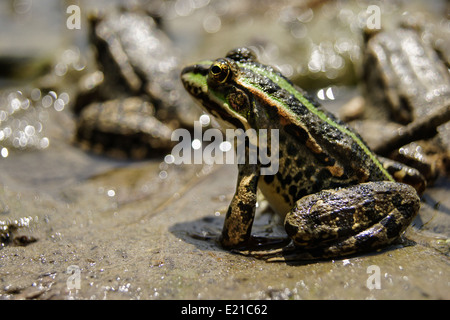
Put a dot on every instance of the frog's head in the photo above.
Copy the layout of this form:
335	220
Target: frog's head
216	86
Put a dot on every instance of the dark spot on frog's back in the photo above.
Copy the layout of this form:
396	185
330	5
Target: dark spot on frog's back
298	132
284	180
309	171
287	179
298	177
273	114
317	185
267	85
291	150
287	162
288	199
324	174
293	191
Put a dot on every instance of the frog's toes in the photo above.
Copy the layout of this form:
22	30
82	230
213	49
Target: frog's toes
262	254
289	253
261	247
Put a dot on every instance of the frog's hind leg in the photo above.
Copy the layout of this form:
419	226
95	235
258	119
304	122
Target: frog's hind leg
380	235
360	218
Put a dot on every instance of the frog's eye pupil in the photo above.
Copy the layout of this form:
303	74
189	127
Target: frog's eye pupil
216	69
220	71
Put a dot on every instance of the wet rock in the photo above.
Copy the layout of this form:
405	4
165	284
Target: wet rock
123	128
403	76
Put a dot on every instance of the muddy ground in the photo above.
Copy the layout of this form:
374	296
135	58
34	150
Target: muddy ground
133	231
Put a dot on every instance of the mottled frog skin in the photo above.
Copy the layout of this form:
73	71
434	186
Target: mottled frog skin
337	197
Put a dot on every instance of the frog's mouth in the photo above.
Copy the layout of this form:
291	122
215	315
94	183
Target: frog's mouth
194	79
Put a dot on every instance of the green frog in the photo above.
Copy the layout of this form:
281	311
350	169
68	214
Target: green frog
336	196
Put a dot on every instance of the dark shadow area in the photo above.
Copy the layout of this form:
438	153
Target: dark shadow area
205	232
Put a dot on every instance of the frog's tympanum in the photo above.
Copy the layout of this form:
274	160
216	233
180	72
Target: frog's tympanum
337	197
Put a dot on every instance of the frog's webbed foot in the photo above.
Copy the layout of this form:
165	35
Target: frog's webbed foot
264	254
273	250
288	253
294	254
261	254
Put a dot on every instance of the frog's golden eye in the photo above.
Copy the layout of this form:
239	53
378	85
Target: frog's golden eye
220	71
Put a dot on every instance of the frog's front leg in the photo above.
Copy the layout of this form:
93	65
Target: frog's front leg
241	212
355	219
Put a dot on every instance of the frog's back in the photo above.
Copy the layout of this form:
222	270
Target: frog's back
284	106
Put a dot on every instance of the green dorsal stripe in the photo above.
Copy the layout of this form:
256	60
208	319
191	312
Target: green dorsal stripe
284	84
